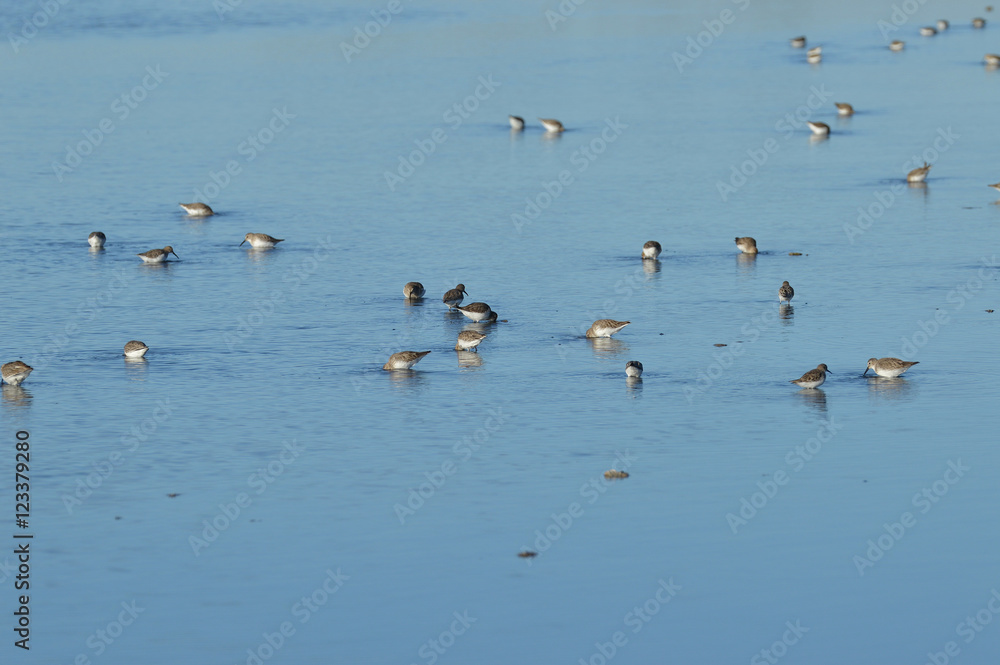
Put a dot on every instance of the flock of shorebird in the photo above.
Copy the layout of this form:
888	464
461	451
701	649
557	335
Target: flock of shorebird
480	312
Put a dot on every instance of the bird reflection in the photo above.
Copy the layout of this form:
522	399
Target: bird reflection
607	346
633	387
815	398
786	312
747	263
880	387
469	359
136	368
15	397
650	266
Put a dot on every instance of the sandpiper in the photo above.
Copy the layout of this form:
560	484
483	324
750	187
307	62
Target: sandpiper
747	245
469	339
551	125
978	23
651	250
404	359
897	45
606	327
413	291
797	42
843	108
261	240
928	31
995	185
15	373
814	378
197	209
888	367
942	25
814	55
97	239
992	60
516	122
785	293
135	349
819	128
478	311
454	297
633	368
157	255
918	174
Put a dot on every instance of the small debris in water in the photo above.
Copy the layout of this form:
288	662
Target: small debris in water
173	494
615	473
720	345
795	253
989	311
527	554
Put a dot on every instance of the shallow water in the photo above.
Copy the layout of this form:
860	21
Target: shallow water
409	494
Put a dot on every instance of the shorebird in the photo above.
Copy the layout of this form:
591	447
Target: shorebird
516	122
651	250
404	359
786	292
888	367
478	311
135	349
819	128
844	108
157	255
814	55
633	368
469	340
814	378
606	327
992	60
928	31
551	125
197	209
454	297
797	42
918	174
942	25
978	23
15	373
97	239
897	45
994	185
413	291
747	245
261	240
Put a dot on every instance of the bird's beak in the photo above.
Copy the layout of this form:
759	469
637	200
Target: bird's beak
829	372
244	240
175	254
866	370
